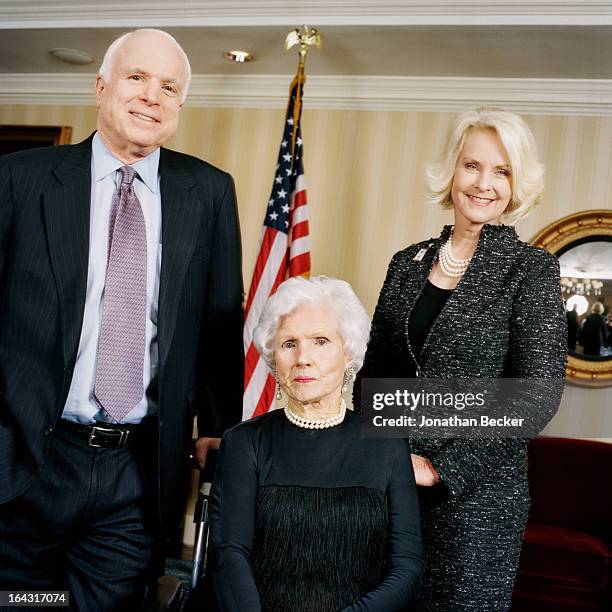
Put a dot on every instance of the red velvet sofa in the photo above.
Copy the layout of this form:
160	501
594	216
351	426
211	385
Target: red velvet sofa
566	563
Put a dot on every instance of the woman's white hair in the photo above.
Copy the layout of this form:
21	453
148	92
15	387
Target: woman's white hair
353	320
526	171
106	68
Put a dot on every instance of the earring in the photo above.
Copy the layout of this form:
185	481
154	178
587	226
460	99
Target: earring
279	395
349	375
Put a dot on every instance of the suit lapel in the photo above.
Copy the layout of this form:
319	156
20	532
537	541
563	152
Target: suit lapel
66	210
180	225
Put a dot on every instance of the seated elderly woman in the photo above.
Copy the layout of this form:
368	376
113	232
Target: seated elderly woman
304	513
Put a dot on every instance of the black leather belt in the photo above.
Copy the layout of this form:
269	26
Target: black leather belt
103	435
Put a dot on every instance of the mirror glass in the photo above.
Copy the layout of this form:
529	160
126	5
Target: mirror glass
586	284
583	243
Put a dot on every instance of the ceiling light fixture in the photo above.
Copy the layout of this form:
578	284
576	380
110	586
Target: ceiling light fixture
71	56
239	56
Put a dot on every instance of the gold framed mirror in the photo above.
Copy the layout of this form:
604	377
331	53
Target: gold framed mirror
583	244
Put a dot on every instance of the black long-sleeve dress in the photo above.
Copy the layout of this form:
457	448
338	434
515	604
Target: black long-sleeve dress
313	520
504	319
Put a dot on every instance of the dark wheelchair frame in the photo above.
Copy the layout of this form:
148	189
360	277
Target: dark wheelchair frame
169	594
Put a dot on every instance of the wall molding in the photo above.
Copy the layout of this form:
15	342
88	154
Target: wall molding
533	96
16	14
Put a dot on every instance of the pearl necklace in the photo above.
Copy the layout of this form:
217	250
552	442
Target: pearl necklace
450	265
316	423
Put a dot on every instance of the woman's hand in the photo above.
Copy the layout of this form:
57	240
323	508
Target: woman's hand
425	473
202	446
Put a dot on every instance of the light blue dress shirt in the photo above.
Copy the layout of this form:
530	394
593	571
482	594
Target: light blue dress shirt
81	406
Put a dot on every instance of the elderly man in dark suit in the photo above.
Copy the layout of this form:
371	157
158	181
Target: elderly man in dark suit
120	320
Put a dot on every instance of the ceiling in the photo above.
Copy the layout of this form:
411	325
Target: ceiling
589	260
475	51
438	38
566	45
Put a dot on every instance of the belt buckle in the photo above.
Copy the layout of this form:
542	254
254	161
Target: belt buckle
123	437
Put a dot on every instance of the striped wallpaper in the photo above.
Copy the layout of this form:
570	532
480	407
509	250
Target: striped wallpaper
364	171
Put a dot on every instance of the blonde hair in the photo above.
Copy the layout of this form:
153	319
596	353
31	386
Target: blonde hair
106	67
517	140
597	308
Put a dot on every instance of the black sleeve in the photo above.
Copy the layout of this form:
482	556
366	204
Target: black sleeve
232	523
538	338
384	353
219	394
538	350
402	582
6	215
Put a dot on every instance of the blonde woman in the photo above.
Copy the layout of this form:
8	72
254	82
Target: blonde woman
474	302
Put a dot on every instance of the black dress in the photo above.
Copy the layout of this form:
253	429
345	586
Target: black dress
313	520
425	312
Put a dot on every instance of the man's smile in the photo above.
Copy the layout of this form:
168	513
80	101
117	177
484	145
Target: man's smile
146	118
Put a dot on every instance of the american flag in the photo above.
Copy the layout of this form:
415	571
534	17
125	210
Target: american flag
284	250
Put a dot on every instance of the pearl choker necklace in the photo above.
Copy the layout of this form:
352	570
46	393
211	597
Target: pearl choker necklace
450	265
316	423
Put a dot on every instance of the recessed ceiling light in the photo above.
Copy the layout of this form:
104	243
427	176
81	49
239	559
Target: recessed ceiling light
71	56
239	56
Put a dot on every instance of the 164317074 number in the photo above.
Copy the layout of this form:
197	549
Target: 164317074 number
35	598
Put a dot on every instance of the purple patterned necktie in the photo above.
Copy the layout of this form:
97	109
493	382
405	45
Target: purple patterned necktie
121	346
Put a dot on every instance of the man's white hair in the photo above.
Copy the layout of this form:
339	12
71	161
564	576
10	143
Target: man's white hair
106	68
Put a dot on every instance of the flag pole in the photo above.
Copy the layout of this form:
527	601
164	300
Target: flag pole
305	37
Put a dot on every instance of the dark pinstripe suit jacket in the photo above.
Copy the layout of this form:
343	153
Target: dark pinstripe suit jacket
44	240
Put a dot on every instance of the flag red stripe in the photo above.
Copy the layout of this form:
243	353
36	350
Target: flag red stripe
280	277
264	251
300	198
300	265
251	364
299	230
266	397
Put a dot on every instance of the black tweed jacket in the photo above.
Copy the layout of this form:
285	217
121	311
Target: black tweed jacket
504	319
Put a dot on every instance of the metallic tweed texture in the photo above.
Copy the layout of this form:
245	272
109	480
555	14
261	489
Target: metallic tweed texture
120	359
504	319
